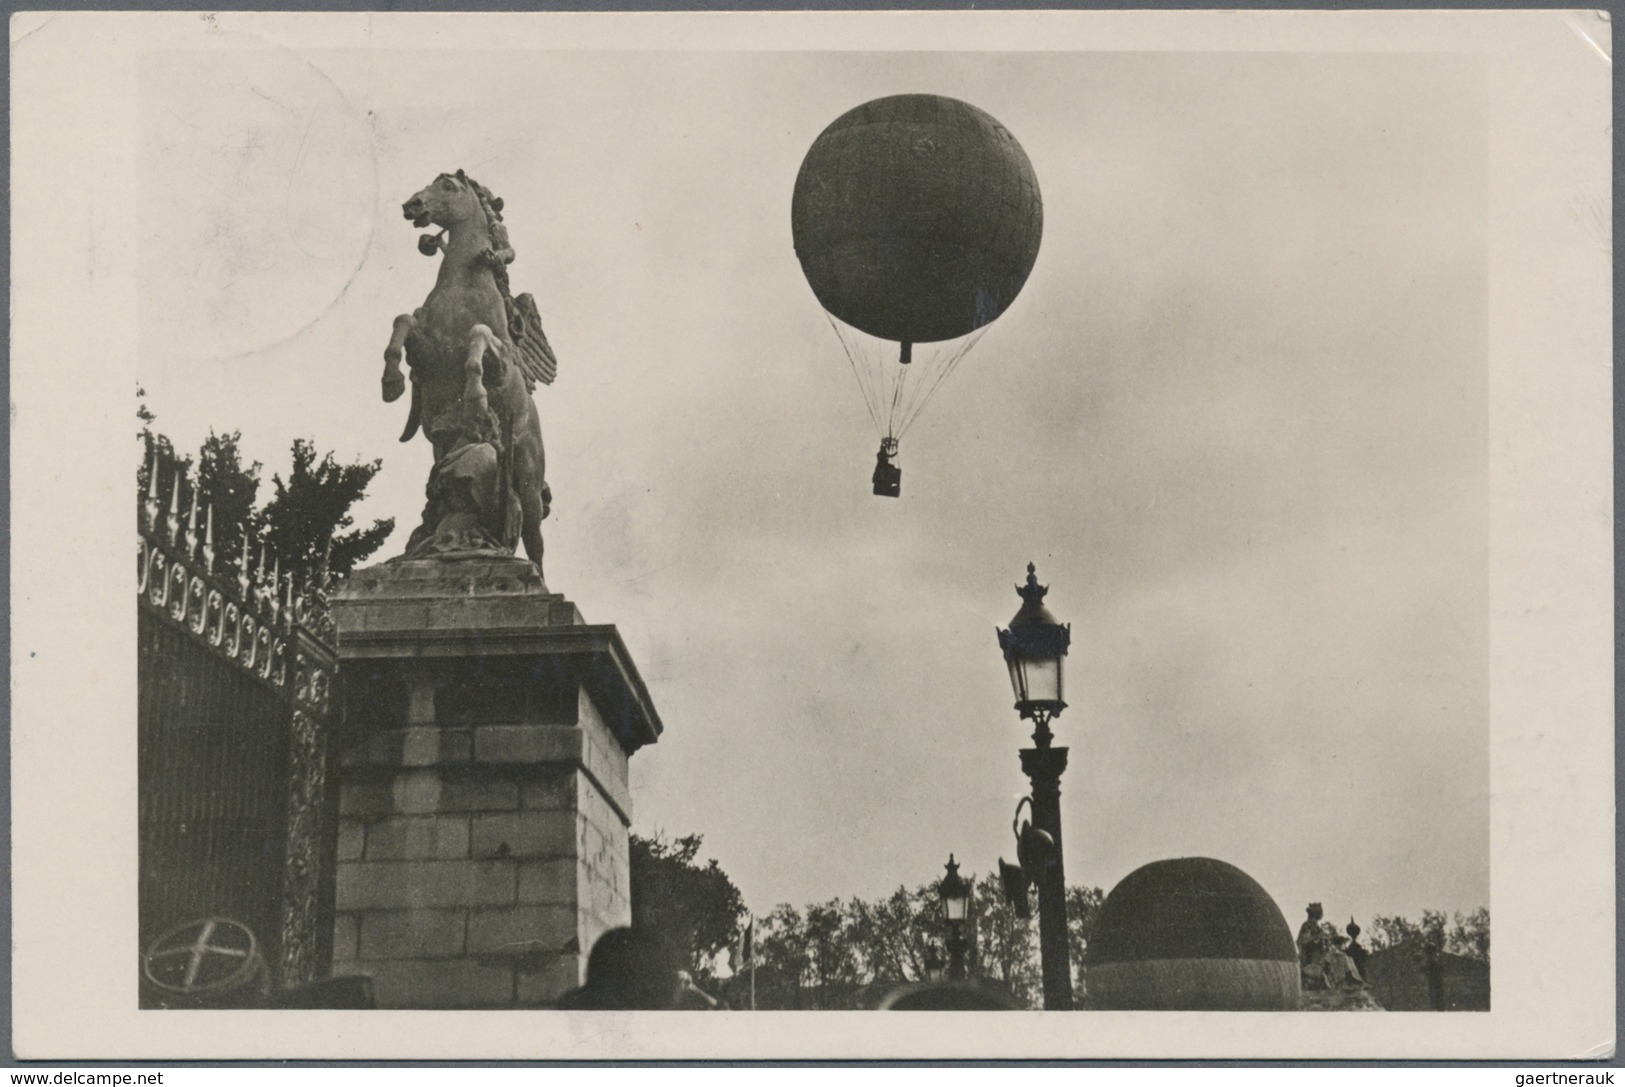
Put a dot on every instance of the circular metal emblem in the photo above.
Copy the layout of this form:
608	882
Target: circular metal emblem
214	954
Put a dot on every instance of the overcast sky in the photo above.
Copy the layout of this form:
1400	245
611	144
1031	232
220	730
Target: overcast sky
1237	418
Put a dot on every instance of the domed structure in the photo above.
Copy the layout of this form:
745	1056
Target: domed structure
1192	934
916	218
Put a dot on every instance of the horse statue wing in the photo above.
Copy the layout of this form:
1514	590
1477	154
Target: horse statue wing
536	359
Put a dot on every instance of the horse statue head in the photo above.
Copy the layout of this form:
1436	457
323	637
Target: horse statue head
449	202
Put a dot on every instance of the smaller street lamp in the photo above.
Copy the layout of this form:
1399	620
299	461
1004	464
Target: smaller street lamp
955	894
933	966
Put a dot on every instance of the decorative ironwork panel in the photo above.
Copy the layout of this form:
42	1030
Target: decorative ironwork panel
301	896
236	811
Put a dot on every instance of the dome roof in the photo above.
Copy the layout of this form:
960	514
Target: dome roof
1191	908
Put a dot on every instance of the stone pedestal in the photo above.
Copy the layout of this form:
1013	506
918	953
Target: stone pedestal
483	795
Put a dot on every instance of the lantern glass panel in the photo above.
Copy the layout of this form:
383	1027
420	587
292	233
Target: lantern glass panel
1039	679
1018	682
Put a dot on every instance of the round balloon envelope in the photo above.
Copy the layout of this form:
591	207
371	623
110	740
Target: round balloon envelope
916	218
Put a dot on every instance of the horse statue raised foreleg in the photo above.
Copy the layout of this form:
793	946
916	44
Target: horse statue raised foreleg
394	380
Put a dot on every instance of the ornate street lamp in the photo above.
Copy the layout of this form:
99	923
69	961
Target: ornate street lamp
1034	651
955	894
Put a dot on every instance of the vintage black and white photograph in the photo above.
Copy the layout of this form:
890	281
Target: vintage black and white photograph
947	514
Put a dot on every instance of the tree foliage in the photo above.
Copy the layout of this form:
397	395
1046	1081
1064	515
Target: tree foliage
1083	906
1470	936
695	908
306	519
1005	946
895	934
1467	935
780	960
307	522
230	488
850	953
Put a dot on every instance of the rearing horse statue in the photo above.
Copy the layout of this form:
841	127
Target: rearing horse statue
476	354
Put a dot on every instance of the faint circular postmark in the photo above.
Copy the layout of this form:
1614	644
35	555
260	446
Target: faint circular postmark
258	191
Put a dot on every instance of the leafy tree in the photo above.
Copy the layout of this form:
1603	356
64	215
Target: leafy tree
833	963
1082	912
893	935
1006	945
304	522
828	956
781	958
1470	936
1424	943
1425	940
847	954
230	489
695	908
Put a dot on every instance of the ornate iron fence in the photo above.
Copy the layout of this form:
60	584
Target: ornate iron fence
237	816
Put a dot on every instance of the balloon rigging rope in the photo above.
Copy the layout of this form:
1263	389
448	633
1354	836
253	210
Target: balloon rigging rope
870	356
916	380
869	399
894	403
965	348
925	368
872	375
941	375
892	430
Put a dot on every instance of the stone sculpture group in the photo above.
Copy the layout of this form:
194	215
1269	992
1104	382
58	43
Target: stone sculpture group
476	354
1328	959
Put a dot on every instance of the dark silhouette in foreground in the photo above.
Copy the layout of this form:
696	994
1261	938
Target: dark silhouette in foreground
629	970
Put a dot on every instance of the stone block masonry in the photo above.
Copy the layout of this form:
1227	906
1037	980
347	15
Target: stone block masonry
483	796
524	862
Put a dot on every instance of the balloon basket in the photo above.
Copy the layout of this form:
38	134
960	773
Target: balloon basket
888	480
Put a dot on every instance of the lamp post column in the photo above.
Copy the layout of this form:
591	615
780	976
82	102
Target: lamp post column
1043	766
956	951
